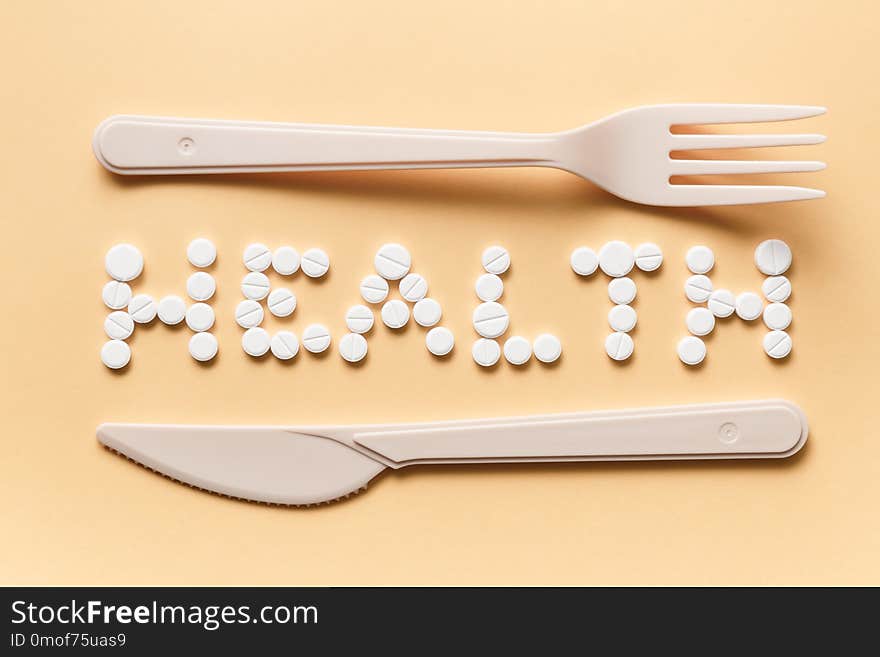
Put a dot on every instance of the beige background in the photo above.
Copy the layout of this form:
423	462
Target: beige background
75	513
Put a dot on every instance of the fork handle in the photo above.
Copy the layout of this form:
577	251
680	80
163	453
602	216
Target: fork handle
161	145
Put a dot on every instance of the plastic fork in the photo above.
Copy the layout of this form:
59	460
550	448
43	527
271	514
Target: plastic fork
627	154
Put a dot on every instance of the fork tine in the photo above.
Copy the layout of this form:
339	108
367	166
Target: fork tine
710	167
723	113
689	195
697	142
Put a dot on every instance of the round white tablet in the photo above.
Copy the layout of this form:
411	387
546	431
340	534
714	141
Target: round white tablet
353	347
142	308
722	303
697	288
700	321
649	257
374	289
413	287
281	302
284	345
691	350
255	285
201	252
171	310
116	295
248	313
777	344
773	257
517	350
622	318
395	314
255	341
496	259
119	325
700	259
124	262
200	317
439	340
316	338
486	352
490	319
115	354
619	345
584	261
749	306
315	263
775	288
203	346
285	261
201	286
547	348
489	287
777	316
427	312
616	258
622	290
257	257
392	261
359	319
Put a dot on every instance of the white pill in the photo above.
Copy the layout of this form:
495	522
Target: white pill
749	306
116	295
773	257
584	261
285	260
201	252
486	352
359	319
142	308
691	350
395	314
316	338
413	287
777	344
281	302
616	258
115	354
171	310
255	341
201	286
255	285
622	318
700	259
547	348
374	289
619	345
427	312
257	257
700	321
248	313
490	319
722	303
649	257
119	325
439	340
777	316
392	261
315	263
496	259
203	346
353	347
489	287
284	345
697	288
775	288
124	262
622	290
199	317
517	350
